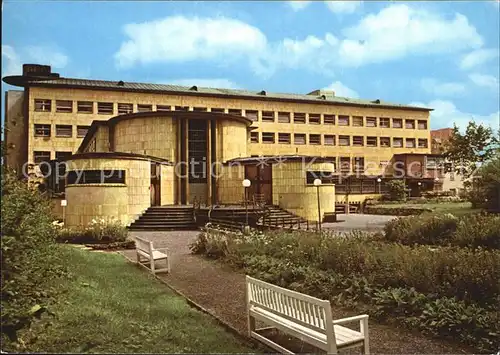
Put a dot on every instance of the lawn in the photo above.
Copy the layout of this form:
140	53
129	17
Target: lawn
456	208
111	306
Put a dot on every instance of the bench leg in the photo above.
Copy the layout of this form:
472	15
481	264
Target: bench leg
152	265
364	331
251	324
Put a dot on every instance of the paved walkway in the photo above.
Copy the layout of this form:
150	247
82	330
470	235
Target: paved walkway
368	222
221	291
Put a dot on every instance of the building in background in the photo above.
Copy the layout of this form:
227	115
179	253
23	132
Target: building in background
146	130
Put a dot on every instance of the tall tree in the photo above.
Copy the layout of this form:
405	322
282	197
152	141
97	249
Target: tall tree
473	148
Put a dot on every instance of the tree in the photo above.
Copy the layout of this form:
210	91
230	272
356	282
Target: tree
484	190
466	151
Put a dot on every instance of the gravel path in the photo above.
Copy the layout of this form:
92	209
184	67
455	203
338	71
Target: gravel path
221	291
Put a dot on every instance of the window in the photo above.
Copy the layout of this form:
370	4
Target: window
199	109
385	122
329	139
39	157
397	142
410	124
164	108
385	142
368	186
214	110
329	119
358	141
85	107
96	177
371	141
371	122
43	105
345	164
254	137
252	114
433	163
410	142
42	130
357	121
235	112
105	108
145	108
299	117
343	121
81	131
315	139
423	143
397	123
355	186
268	137
422	124
64	131
125	108
267	116
314	118
344	140
359	164
64	106
299	138
284	138
63	156
326	177
284	117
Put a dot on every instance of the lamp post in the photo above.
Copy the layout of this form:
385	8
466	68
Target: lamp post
419	188
379	180
317	183
246	184
436	180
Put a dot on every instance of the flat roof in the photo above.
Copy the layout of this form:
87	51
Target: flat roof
75	83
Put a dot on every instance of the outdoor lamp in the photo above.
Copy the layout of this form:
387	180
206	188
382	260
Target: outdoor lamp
379	180
246	183
317	182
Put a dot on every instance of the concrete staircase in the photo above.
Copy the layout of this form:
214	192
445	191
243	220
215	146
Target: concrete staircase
280	218
162	218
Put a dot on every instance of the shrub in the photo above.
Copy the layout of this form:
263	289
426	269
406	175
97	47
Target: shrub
473	230
397	190
30	256
97	231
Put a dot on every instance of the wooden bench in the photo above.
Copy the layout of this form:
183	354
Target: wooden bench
302	316
147	254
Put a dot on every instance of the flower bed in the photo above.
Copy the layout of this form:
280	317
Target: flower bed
395	211
99	234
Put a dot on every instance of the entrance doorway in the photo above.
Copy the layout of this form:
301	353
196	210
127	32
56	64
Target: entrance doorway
155	184
262	182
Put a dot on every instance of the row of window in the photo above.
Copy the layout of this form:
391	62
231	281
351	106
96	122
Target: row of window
330	139
108	108
66	131
41	156
96	177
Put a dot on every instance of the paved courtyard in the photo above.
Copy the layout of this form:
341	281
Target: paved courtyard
221	291
368	222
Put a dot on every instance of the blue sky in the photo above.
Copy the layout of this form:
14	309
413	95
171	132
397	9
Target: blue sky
444	55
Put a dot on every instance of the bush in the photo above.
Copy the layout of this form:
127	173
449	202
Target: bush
473	230
30	256
395	211
484	192
397	190
99	231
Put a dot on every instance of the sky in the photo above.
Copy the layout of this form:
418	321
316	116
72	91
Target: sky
442	55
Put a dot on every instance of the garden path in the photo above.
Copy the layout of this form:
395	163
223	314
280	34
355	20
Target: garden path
221	291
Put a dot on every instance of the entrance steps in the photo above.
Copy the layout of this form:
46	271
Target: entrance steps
165	218
277	217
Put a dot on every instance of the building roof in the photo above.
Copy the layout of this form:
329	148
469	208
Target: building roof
317	96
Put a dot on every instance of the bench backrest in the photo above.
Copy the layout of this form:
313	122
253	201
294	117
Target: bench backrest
144	245
297	307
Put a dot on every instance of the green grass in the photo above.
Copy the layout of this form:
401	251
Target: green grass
111	306
456	208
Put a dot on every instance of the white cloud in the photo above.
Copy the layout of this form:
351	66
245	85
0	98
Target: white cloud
343	7
298	5
397	31
46	55
437	88
179	38
478	57
445	114
207	83
487	81
342	90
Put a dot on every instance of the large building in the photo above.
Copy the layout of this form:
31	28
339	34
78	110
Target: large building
276	140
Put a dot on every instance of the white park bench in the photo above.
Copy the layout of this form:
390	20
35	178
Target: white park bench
147	254
302	316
